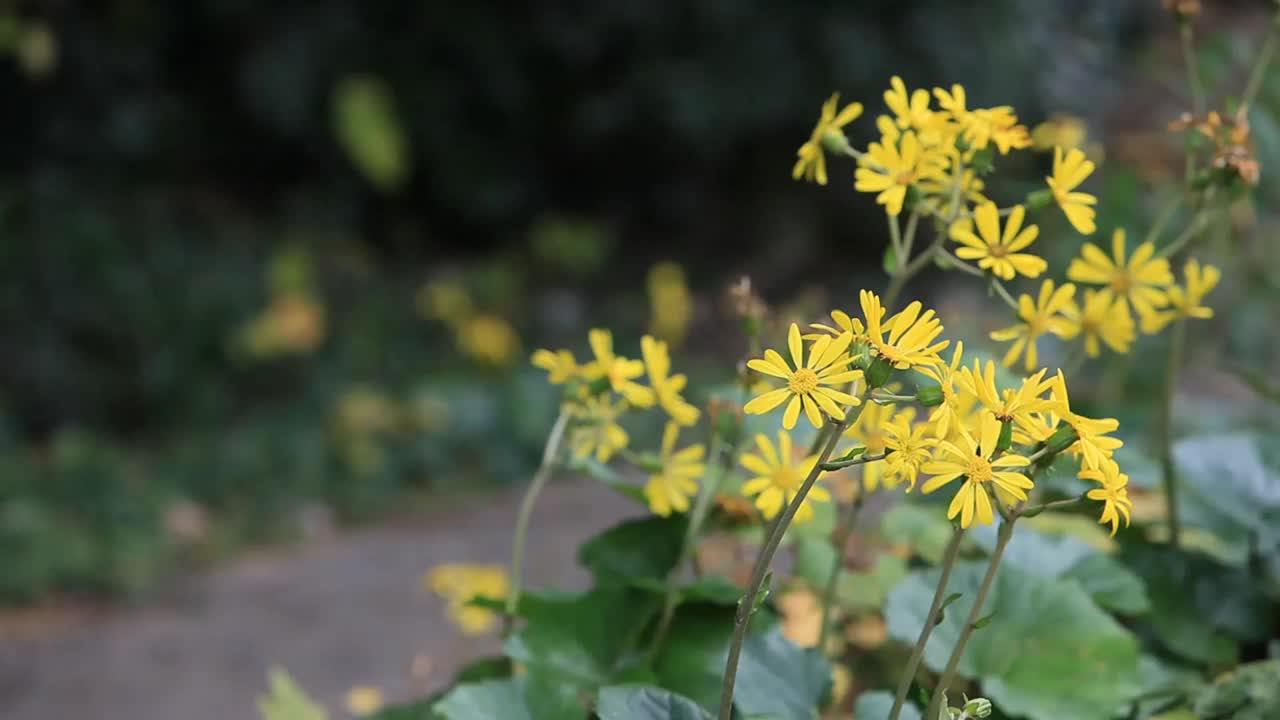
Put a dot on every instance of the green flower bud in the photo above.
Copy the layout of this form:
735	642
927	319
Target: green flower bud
728	425
929	396
834	142
1006	436
1039	199
878	373
599	386
977	708
983	161
1061	439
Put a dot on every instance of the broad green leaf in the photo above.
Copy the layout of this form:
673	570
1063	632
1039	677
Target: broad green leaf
1163	682
646	703
588	639
369	130
924	529
861	590
1110	584
709	588
877	704
287	701
691	661
1050	652
1250	692
813	560
635	549
526	697
776	677
489	668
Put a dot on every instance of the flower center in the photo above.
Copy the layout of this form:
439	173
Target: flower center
785	478
1121	282
978	469
803	381
998	251
906	177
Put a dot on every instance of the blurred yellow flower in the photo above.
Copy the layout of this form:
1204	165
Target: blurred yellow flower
1187	300
363	411
997	251
488	339
871	430
459	583
560	365
1114	494
911	110
811	164
801	617
972	458
948	413
1065	131
1068	172
364	700
1141	281
889	168
619	371
667	387
443	300
1092	443
294	323
287	701
779	477
911	445
1102	319
910	333
670	303
1038	317
596	430
670	488
808	384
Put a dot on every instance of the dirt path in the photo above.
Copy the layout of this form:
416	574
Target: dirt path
336	614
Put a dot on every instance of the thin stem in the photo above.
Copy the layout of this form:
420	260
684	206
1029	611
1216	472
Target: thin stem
930	621
698	515
1034	510
1259	71
1166	214
1193	68
1177	338
841	541
549	453
860	460
880	396
895	241
1193	229
961	264
909	239
747	603
1004	294
918	263
949	673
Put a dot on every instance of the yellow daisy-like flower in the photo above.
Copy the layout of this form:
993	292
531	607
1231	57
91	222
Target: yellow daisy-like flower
560	365
1067	131
911	333
950	412
1038	317
1092	444
1141	281
778	478
809	385
1007	405
811	164
871	431
459	583
1114	494
911	110
1068	173
1102	319
1186	300
670	488
843	324
912	447
889	168
972	458
667	387
996	251
620	372
596	430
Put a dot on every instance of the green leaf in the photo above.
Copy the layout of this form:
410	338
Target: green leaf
925	530
1163	682
1250	692
867	589
368	128
777	677
646	703
605	474
1112	585
1050	653
709	588
813	560
588	639
691	661
1232	488
877	704
287	701
526	697
635	549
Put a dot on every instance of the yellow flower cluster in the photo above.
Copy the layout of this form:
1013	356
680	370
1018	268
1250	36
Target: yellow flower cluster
485	337
459	584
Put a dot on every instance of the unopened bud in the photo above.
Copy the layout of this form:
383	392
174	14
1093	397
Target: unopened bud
1039	199
929	396
834	141
878	372
599	385
977	708
1062	438
1006	436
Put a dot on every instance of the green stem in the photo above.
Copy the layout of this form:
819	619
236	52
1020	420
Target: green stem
746	604
930	622
961	264
909	239
1000	290
1259	71
949	673
1177	338
860	460
697	516
1162	220
841	541
1193	68
895	241
1193	229
549	454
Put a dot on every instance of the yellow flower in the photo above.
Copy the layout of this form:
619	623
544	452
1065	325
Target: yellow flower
560	365
950	412
811	164
1187	300
1007	405
1092	444
911	109
912	447
443	300
670	488
1065	131
972	458
910	333
807	384
843	324
1140	281
1038	317
459	584
597	431
1068	173
670	303
489	339
1102	319
889	170
621	372
778	478
364	700
995	251
1114	494
979	127
871	431
667	387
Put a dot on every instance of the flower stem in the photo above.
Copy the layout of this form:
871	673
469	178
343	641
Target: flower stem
746	604
1004	294
949	673
895	241
860	460
1193	69
1177	338
841	541
549	454
930	621
1259	71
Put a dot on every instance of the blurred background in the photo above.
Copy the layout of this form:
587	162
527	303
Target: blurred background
267	270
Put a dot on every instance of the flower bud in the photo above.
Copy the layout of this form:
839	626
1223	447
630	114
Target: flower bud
929	396
1006	436
1039	199
599	385
977	708
878	372
1062	438
834	142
